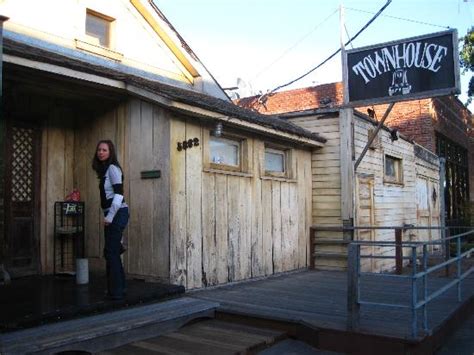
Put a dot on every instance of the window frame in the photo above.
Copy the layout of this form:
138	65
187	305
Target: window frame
278	150
398	179
218	166
290	167
243	169
110	29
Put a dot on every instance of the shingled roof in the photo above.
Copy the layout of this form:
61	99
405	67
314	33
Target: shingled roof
190	97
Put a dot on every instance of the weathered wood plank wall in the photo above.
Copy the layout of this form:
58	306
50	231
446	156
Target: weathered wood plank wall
191	226
393	204
147	148
228	227
326	182
376	202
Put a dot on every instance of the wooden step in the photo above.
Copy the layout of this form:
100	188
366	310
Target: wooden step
326	241
99	332
329	260
206	337
330	255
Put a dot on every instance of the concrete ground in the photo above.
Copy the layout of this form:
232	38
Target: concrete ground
461	342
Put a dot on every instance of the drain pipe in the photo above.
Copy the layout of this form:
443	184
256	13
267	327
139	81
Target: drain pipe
3	272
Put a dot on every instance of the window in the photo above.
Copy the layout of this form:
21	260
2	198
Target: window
225	152
275	161
98	28
393	170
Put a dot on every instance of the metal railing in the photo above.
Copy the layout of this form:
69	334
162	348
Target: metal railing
355	273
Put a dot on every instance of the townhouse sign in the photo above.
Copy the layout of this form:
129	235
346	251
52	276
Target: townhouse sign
407	69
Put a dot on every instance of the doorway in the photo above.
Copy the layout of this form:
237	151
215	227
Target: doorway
22	184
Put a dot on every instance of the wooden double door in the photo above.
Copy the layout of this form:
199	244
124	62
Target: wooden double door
21	196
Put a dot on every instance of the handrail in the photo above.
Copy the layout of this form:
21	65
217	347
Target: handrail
354	274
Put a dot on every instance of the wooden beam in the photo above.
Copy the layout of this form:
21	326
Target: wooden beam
55	69
371	139
203	113
190	71
210	115
3	272
347	167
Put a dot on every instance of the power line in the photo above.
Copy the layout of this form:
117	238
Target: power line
399	18
261	98
294	45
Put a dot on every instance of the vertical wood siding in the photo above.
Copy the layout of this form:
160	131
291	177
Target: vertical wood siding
226	227
191	227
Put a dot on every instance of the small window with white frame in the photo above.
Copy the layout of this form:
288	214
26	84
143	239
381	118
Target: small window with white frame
393	170
99	28
225	153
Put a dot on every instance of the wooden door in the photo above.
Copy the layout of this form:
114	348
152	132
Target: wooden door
22	183
365	216
427	208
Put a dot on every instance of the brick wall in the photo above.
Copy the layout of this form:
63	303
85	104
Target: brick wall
327	95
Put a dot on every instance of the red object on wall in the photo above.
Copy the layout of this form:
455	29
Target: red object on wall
74	196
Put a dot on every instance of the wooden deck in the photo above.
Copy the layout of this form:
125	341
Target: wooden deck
319	298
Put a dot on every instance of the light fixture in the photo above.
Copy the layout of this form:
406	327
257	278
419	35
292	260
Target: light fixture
394	135
217	131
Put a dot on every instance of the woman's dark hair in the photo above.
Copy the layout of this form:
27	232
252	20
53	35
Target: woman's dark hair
101	167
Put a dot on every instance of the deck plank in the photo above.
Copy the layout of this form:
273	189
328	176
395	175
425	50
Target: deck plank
318	298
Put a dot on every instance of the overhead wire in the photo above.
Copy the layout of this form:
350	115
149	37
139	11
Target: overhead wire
262	97
399	18
294	45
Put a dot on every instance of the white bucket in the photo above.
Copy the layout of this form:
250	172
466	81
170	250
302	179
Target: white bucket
82	271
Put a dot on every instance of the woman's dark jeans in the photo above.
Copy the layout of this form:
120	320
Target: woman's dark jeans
113	237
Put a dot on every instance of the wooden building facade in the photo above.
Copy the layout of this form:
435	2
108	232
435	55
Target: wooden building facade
195	220
396	183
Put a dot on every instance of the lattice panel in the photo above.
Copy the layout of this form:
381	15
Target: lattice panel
22	164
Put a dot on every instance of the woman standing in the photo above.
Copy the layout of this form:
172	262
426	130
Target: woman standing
116	215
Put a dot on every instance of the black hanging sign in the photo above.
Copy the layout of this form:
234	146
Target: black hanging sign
407	69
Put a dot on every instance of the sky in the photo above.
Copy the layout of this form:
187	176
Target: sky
267	43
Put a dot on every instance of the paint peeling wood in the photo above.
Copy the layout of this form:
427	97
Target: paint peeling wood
193	177
308	204
267	227
221	236
285	227
293	226
209	251
276	227
234	225
178	221
257	244
245	209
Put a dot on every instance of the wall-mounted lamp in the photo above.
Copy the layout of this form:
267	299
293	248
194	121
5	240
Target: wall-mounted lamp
217	131
394	135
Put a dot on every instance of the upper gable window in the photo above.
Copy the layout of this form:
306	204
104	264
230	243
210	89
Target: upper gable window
99	28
